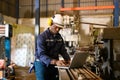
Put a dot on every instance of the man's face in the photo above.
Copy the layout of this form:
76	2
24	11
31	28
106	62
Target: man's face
56	29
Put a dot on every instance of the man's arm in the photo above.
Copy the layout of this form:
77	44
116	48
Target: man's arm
64	53
41	47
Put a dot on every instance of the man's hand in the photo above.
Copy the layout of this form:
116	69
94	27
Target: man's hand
67	62
60	63
57	62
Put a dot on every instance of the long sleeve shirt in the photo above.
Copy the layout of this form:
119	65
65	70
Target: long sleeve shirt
49	46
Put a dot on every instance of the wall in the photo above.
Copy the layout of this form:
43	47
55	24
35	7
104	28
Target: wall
9	19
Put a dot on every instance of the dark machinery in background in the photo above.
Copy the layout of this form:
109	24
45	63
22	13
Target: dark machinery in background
5	49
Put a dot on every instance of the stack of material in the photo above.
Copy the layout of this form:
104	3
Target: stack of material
23	53
77	74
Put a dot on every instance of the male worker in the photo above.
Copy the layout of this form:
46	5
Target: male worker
49	45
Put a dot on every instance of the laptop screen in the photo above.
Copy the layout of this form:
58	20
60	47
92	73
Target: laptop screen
79	59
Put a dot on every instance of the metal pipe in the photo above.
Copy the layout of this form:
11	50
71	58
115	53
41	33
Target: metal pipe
88	8
116	13
37	19
79	3
46	8
94	23
37	16
62	3
17	11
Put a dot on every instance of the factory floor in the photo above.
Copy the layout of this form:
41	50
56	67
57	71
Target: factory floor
21	73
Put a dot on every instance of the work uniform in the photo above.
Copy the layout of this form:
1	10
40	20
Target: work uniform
49	46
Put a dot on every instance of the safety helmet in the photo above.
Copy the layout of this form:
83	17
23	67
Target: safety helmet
57	19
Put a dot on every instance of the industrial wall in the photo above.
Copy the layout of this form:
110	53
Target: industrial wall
49	7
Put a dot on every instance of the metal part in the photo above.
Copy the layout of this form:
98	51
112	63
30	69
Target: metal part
77	74
2	48
4	30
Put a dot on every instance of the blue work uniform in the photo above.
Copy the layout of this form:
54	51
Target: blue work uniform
49	46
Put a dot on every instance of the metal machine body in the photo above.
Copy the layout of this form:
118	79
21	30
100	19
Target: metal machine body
5	48
77	74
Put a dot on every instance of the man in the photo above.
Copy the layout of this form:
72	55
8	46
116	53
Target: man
49	45
105	68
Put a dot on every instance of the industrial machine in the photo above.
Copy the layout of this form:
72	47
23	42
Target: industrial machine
5	48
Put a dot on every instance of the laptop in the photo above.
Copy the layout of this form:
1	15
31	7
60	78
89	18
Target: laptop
77	61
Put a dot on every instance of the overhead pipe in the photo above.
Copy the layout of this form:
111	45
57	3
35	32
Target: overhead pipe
94	23
88	8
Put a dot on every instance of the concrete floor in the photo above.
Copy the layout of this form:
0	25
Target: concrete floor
21	73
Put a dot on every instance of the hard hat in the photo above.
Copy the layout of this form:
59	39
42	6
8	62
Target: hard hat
58	20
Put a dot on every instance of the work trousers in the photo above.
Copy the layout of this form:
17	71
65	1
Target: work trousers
43	72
